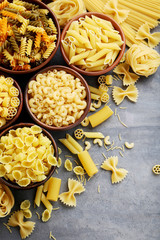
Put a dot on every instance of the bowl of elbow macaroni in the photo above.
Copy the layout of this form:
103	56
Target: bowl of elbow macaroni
92	43
11	101
57	98
28	156
30	36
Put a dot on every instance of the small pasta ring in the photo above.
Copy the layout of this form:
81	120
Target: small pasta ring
102	79
156	169
85	122
78	133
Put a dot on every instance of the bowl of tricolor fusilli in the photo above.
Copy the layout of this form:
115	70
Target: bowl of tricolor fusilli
29	36
57	98
28	155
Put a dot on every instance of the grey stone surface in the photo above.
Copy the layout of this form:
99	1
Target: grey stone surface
129	210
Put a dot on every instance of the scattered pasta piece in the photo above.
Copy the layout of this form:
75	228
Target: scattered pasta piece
129	77
78	133
71	144
53	189
68	165
98	188
59	163
119	94
100	116
38	215
59	150
144	33
37	199
46	215
142	59
27	213
26	228
118	174
129	145
51	236
68	198
109	80
87	145
98	141
87	163
111	9
106	140
25	205
6	200
102	79
121	121
78	170
156	169
8	227
85	122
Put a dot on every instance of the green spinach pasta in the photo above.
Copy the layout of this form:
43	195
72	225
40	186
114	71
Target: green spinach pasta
27	35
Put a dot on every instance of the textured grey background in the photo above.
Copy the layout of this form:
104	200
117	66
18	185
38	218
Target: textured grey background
129	210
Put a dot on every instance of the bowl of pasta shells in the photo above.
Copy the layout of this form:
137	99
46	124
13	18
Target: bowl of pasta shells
29	36
92	43
28	156
11	101
57	98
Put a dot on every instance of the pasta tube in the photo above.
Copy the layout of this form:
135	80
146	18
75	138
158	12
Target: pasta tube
87	163
53	189
100	116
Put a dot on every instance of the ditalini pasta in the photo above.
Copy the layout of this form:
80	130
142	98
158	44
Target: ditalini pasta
118	174
6	200
26	228
25	31
53	189
92	43
9	99
29	158
119	94
65	10
68	198
129	77
100	116
142	59
87	163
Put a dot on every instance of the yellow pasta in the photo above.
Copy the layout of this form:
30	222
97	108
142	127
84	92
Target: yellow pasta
68	198
6	200
37	199
119	94
100	116
156	169
25	205
53	189
46	215
78	170
118	174
68	165
87	163
27	213
46	203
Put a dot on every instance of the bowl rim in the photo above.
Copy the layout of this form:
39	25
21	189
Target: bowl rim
88	98
19	110
36	184
53	16
115	25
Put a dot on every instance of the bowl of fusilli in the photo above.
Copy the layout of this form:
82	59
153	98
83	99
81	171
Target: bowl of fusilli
29	36
57	98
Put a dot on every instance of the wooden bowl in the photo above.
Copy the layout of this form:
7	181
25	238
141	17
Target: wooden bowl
8	123
54	18
34	184
88	98
115	25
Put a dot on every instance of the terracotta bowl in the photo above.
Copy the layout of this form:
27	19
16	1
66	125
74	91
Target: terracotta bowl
34	184
19	107
54	18
115	25
88	98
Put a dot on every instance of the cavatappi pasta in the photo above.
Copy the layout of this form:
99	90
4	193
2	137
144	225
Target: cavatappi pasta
27	155
66	9
27	35
92	43
57	98
9	99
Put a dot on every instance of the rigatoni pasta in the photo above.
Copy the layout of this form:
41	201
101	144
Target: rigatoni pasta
92	43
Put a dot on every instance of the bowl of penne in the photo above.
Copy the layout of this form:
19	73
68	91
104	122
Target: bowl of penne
11	101
28	156
29	36
92	43
57	98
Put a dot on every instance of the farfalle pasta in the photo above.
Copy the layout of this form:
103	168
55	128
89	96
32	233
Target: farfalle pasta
9	99
129	77
111	9
142	59
66	9
119	94
118	174
26	156
27	35
6	200
26	228
144	33
68	198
